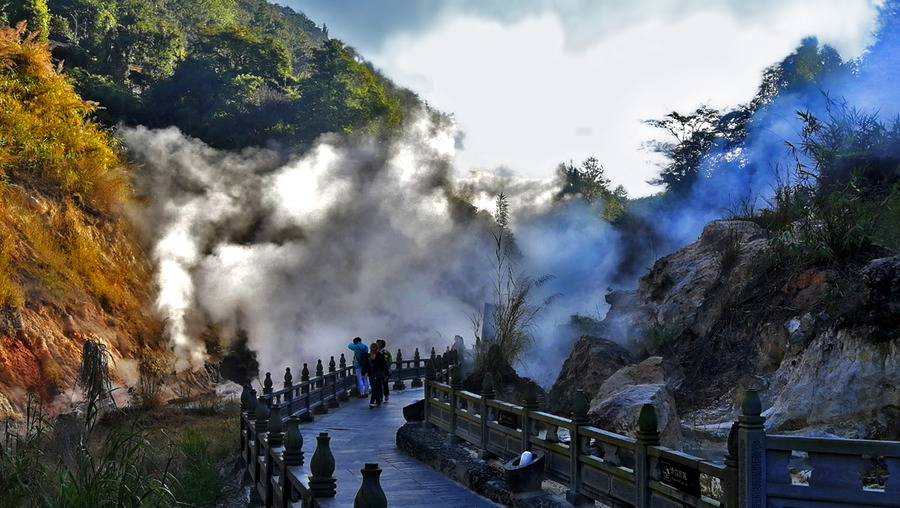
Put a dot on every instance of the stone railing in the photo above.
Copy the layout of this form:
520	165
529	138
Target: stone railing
759	470
271	442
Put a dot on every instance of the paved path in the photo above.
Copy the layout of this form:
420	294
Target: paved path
407	482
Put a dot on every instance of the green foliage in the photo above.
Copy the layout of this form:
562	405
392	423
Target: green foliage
22	466
692	136
587	325
342	95
33	13
123	472
842	195
590	183
233	73
660	335
232	50
198	484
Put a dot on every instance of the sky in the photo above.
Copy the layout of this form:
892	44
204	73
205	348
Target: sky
533	83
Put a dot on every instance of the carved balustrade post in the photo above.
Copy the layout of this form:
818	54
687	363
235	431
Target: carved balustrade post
251	406
578	444
320	373
262	424
399	384
292	456
429	378
417	381
304	392
332	375
438	369
275	436
246	395
275	427
370	493
304	377
288	382
751	453
267	384
529	405
322	482
345	395
731	468
455	386
321	409
487	394
647	436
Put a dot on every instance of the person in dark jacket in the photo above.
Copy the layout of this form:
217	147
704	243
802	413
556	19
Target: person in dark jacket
378	370
389	359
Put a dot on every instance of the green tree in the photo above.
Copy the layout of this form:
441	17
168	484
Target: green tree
232	50
342	95
808	67
590	183
690	137
89	20
229	90
33	12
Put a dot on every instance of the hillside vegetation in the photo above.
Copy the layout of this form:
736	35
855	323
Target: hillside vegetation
233	73
71	266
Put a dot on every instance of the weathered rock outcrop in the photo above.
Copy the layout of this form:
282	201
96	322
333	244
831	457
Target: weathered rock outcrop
617	405
821	344
591	362
839	381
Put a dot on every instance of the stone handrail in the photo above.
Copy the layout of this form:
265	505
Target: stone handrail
760	470
622	471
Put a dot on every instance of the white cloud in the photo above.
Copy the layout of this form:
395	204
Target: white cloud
527	101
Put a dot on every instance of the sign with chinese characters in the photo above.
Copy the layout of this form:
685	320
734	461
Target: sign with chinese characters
683	478
508	419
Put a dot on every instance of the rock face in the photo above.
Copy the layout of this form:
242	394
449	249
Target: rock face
591	362
842	382
821	344
618	403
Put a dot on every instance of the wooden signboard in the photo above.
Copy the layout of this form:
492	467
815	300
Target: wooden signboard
685	479
508	419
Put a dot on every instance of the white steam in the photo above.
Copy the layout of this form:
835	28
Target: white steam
369	238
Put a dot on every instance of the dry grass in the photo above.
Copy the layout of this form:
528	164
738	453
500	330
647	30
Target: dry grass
66	246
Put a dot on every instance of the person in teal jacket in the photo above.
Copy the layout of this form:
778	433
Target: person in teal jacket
360	365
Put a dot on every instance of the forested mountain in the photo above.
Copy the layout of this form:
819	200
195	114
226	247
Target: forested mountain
232	73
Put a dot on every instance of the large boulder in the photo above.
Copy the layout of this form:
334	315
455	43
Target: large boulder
618	403
839	382
591	362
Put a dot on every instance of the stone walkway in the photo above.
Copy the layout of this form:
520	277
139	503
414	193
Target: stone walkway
407	482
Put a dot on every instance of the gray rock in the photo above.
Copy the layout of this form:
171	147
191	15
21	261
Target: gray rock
618	403
882	276
591	362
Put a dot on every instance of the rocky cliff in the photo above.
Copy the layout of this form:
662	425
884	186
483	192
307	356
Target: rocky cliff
820	343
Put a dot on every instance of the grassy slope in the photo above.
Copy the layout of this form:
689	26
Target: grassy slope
71	267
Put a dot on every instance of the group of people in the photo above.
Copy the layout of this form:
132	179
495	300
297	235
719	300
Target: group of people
373	368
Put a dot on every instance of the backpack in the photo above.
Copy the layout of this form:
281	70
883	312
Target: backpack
362	358
388	358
